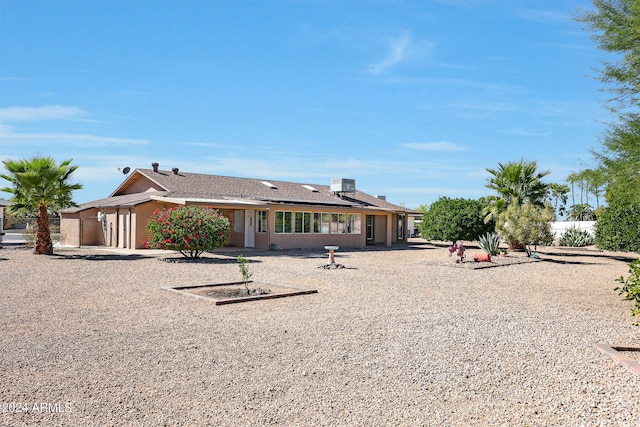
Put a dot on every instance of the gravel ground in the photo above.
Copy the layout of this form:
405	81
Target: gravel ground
399	337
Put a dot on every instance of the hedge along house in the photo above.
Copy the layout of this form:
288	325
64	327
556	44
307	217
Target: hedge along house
262	214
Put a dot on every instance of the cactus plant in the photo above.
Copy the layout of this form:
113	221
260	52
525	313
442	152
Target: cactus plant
576	238
490	242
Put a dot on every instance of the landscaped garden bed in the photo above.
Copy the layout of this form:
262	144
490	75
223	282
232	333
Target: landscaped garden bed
235	292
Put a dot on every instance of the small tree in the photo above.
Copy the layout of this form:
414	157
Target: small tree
454	219
245	271
190	230
526	224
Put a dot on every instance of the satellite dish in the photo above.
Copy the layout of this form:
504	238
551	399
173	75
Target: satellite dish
126	170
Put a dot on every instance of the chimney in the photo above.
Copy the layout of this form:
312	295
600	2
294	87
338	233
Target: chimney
175	171
155	165
382	197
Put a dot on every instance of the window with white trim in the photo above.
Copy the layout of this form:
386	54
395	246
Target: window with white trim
338	223
303	222
238	221
261	221
321	222
354	224
283	222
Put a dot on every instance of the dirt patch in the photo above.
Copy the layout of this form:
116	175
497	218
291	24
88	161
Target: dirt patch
236	291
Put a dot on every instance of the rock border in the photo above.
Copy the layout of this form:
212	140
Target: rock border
185	291
613	352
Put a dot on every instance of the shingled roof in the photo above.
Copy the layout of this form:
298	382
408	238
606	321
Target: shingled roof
190	186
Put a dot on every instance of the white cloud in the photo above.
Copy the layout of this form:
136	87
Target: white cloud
543	16
46	112
434	146
527	132
398	49
82	140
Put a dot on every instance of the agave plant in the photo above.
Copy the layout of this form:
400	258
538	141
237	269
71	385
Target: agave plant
576	238
490	243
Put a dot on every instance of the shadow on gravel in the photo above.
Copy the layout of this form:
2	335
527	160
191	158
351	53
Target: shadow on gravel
102	257
183	260
590	254
561	261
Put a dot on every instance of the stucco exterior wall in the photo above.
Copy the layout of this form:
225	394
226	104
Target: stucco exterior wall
81	229
125	227
70	230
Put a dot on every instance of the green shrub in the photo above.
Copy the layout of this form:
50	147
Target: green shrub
631	287
576	238
454	219
190	230
490	243
618	228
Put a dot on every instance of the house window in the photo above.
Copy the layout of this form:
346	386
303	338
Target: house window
338	223
238	221
261	222
283	222
321	222
303	222
354	224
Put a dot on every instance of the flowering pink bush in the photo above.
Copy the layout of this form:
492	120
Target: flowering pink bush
190	230
457	248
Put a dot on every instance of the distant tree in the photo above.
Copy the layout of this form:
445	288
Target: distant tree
557	196
595	182
40	187
454	219
581	212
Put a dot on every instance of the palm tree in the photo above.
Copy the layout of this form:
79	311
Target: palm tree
515	180
557	194
39	186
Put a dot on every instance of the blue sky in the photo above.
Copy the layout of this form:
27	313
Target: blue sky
412	99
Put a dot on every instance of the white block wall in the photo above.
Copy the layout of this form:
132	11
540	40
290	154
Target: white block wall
559	227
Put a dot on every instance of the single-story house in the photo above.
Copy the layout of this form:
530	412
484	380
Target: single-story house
263	214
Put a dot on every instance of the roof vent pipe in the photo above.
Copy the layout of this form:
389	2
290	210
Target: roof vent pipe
175	171
155	165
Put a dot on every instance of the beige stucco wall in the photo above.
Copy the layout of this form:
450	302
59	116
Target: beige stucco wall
139	186
70	230
81	229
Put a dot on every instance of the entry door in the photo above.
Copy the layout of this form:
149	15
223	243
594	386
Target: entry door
249	228
370	227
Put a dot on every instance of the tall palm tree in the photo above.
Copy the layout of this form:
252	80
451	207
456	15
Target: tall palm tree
515	181
39	186
557	194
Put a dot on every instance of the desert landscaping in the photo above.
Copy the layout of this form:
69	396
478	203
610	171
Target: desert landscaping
397	337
